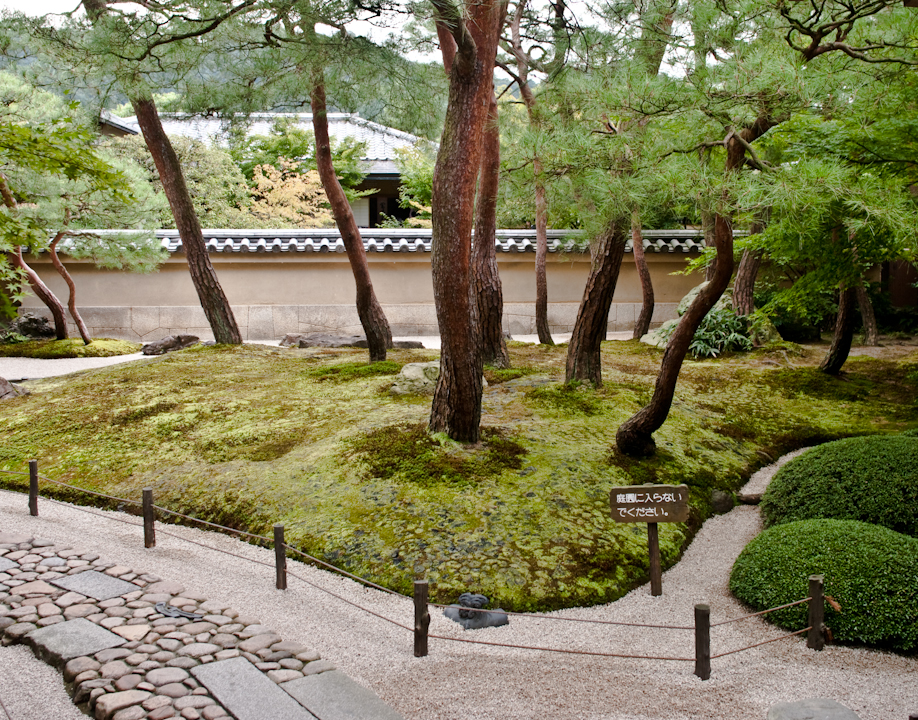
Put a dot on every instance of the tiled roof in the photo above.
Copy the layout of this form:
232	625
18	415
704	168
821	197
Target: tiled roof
381	141
412	241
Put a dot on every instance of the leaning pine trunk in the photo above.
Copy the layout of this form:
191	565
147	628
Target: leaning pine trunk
43	293
372	317
642	326
744	285
213	300
843	335
583	354
484	258
71	303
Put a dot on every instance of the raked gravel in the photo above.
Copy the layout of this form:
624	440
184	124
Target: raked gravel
470	682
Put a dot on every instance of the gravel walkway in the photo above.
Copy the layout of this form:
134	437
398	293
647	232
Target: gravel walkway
460	680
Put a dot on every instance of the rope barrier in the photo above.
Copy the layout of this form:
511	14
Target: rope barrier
347	574
5	711
749	647
763	612
541	616
213	525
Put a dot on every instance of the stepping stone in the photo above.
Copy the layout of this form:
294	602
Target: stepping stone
96	585
247	692
810	709
58	643
7	564
334	696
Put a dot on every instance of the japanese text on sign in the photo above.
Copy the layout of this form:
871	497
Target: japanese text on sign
650	503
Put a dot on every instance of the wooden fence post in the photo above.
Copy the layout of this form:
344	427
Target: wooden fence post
33	488
149	531
703	641
280	557
421	618
815	639
653	549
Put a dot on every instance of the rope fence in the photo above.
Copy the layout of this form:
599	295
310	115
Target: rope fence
420	628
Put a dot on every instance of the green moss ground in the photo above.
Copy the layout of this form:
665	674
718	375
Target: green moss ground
251	436
71	348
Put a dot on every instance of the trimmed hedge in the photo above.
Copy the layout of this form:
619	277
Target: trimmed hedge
872	572
871	479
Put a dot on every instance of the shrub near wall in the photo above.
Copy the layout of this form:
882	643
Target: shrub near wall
871	479
870	571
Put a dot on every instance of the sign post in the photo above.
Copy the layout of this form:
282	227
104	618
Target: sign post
651	504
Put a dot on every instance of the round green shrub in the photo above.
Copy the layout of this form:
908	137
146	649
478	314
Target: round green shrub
911	433
871	572
872	479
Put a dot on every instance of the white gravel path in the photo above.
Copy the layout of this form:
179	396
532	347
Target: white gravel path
460	681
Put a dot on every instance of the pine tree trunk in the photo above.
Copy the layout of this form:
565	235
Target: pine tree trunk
216	307
456	406
484	253
541	219
871	333
71	302
707	230
642	326
843	335
744	285
43	293
634	436
372	318
583	354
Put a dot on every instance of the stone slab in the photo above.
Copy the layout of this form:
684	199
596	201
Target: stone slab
96	585
810	709
7	564
58	643
334	696
247	692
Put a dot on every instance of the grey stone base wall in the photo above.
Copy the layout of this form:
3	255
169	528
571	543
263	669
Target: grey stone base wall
272	322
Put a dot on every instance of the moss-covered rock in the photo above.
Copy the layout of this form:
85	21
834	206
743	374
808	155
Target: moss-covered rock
71	348
872	479
870	572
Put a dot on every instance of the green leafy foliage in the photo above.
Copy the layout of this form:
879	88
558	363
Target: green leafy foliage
721	331
869	571
871	479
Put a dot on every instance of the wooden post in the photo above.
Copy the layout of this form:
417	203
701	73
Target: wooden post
815	639
421	618
703	641
653	546
33	488
149	531
280	557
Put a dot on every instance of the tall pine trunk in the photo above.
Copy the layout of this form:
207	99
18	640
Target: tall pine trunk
213	300
642	325
372	318
871	333
541	219
71	301
844	333
583	355
456	406
43	293
484	253
744	285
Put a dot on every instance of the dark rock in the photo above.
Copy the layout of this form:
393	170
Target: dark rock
8	390
470	614
721	502
749	498
170	343
32	326
811	709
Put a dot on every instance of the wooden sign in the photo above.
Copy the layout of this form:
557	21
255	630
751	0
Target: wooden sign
650	503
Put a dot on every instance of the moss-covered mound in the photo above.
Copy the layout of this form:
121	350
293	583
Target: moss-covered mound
71	348
249	436
872	479
870	572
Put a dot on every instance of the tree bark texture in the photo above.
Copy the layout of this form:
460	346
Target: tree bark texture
71	302
707	229
488	289
456	406
844	333
541	220
871	332
744	285
635	435
642	325
43	293
213	300
372	318
583	354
